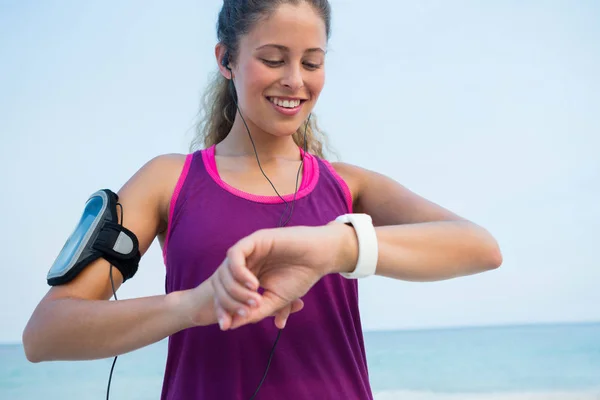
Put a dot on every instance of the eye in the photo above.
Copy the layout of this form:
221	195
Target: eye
272	63
312	66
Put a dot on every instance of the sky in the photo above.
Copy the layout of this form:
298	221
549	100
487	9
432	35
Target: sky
490	109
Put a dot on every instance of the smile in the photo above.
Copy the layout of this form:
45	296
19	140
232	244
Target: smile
286	106
286	103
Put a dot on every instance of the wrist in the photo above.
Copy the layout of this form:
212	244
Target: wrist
346	248
365	246
192	307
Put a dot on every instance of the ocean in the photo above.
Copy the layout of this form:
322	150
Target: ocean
541	362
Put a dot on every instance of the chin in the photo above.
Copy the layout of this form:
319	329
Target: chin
283	129
279	132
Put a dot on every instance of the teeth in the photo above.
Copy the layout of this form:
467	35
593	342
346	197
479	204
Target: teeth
284	103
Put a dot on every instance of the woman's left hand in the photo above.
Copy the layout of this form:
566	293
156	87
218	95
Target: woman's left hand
287	262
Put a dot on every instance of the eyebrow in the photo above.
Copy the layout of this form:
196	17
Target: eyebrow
286	49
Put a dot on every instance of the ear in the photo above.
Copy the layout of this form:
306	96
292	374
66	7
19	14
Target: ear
220	54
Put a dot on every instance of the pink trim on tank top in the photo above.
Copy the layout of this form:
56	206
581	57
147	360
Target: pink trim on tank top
174	197
342	183
310	176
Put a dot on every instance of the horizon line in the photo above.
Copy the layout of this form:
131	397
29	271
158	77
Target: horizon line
435	328
486	326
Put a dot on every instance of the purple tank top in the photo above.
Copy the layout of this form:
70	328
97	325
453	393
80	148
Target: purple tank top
320	354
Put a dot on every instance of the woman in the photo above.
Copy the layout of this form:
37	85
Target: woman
239	248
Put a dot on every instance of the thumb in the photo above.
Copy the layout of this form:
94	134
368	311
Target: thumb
297	305
282	315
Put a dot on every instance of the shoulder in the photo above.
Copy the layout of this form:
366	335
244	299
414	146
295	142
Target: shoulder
352	175
157	179
168	161
160	171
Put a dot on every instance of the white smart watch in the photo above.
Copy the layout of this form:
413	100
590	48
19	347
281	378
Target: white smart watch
368	251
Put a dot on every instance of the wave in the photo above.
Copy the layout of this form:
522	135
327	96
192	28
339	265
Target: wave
418	395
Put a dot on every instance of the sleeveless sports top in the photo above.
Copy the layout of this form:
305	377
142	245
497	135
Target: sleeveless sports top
320	354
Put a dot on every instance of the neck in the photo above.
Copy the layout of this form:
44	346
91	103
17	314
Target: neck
238	143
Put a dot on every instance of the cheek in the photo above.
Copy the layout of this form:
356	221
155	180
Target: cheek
257	79
315	82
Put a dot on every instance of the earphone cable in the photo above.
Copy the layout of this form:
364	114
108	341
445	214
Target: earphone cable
112	284
272	353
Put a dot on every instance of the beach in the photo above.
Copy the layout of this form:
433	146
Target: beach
537	362
408	395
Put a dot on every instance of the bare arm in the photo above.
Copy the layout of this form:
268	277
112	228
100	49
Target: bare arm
83	329
418	240
77	321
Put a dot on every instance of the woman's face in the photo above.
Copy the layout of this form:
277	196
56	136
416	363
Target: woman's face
279	71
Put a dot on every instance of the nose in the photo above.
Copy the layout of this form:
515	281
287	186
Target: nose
292	78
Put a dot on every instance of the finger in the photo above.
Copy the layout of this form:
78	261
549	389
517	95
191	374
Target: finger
297	305
238	266
247	252
266	309
282	316
223	318
238	321
225	301
270	304
259	314
237	290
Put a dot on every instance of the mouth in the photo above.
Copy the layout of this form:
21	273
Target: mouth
287	106
286	102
